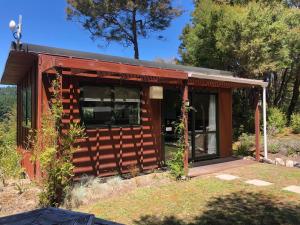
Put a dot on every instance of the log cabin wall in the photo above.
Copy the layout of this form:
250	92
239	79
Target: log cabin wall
112	150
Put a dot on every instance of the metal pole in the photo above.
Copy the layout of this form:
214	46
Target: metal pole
19	31
265	123
257	129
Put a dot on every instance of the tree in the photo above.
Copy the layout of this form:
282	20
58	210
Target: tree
122	21
9	157
253	39
8	98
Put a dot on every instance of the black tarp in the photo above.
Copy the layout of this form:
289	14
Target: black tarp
53	216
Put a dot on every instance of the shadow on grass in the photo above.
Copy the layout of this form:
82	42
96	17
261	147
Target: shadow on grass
238	208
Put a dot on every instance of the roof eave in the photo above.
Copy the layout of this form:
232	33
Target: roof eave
236	80
17	65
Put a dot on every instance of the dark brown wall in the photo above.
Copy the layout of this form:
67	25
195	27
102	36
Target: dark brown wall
225	122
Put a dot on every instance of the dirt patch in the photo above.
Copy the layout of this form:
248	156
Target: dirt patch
18	196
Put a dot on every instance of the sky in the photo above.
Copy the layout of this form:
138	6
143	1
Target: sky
45	23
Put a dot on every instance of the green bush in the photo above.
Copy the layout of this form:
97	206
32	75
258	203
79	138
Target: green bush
273	148
295	123
54	150
291	151
9	157
276	121
176	164
244	148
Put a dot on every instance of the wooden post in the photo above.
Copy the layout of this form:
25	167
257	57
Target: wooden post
39	97
257	128
185	99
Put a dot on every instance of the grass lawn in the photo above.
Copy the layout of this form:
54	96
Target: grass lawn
207	200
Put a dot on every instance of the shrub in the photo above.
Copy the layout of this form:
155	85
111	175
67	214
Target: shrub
9	157
292	151
244	148
273	148
176	164
276	121
295	123
53	148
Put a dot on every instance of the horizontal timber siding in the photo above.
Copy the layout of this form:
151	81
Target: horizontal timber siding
112	150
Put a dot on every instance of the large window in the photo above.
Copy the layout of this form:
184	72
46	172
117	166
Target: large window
26	106
103	105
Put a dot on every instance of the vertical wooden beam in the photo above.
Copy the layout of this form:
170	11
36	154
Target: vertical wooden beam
257	127
39	98
225	122
185	99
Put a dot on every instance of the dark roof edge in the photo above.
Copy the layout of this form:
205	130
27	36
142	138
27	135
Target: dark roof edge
39	49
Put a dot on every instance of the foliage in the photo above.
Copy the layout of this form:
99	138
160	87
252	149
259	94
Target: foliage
253	39
276	121
295	123
53	147
293	150
244	148
20	187
176	163
8	100
273	148
122	21
9	157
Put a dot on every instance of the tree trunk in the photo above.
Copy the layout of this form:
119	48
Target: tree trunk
286	76
134	32
295	96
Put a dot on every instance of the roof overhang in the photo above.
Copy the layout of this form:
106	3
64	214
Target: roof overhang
17	66
19	63
235	81
96	67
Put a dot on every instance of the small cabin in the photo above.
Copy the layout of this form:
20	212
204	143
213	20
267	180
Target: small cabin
127	106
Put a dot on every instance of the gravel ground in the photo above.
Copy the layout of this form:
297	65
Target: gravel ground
16	200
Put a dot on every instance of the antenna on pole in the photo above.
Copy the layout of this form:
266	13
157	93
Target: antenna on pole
17	31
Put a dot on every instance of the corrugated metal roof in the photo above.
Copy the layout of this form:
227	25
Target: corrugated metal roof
116	59
17	60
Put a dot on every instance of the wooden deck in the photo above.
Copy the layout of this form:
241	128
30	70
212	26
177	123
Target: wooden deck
216	165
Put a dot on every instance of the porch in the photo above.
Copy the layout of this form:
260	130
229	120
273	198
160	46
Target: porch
216	165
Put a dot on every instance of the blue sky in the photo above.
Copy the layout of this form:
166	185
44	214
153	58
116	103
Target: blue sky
44	23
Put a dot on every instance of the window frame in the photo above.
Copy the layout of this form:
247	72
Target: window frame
112	105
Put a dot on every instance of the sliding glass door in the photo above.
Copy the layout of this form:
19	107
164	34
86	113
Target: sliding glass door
203	126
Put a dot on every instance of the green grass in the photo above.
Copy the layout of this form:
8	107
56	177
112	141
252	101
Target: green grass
207	200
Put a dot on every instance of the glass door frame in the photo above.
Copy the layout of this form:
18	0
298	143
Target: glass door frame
192	117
